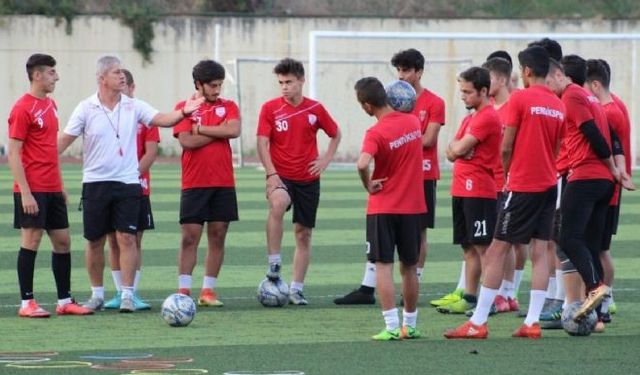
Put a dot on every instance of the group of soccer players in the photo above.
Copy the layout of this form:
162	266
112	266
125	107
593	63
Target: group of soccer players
537	170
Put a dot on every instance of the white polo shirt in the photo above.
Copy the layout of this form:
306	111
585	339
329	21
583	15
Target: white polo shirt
109	150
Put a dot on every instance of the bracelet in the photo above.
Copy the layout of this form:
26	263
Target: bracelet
271	174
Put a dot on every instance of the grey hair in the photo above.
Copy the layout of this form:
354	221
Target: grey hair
105	63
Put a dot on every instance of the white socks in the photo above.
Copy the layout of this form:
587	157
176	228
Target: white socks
184	282
369	278
536	301
559	286
97	292
275	258
391	319
551	288
462	280
117	279
209	282
485	300
296	286
409	318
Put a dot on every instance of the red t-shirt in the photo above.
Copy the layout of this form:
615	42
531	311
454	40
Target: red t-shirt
35	122
581	107
498	171
538	115
395	142
474	177
562	161
292	135
622	127
211	164
145	135
429	108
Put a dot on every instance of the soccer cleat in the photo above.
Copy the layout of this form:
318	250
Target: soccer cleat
356	297
33	310
140	304
459	307
273	273
552	320
95	304
613	308
501	304
408	333
72	309
513	304
209	298
599	328
385	335
606	318
113	303
492	311
530	332
185	291
127	305
594	297
297	298
450	298
468	330
551	324
553	311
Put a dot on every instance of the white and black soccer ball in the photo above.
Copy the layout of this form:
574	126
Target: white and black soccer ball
273	293
401	96
582	328
178	310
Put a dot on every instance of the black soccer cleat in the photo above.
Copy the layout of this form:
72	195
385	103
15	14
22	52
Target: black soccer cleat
356	297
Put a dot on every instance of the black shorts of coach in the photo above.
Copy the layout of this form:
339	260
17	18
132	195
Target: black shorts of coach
428	219
52	212
109	206
200	205
526	215
145	218
386	232
305	197
474	220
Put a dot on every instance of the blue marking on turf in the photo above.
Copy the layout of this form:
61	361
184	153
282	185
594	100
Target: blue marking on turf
116	356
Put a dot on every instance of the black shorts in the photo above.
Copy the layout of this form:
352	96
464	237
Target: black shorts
428	220
305	197
524	216
52	212
109	206
474	220
385	232
145	219
200	205
557	217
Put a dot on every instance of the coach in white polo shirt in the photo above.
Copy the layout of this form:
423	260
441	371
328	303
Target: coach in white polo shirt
111	192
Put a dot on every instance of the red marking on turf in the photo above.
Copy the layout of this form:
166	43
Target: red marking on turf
160	360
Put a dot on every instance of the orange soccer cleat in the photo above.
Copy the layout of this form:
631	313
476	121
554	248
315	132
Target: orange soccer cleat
529	332
468	330
33	310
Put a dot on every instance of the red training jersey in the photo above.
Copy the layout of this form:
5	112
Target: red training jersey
211	164
498	171
35	122
622	127
581	107
625	111
292	135
429	109
474	177
538	114
145	135
395	142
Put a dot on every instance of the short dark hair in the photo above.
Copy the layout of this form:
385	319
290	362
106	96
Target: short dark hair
501	54
478	76
605	64
535	58
206	71
575	67
38	61
127	76
555	65
289	66
371	91
552	46
409	58
499	65
596	71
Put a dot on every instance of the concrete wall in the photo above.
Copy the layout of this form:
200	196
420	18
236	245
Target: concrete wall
181	41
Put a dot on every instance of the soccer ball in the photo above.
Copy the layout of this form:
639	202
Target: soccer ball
273	293
582	328
178	310
401	96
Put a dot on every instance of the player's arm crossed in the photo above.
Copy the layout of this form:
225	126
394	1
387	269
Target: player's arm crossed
461	148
